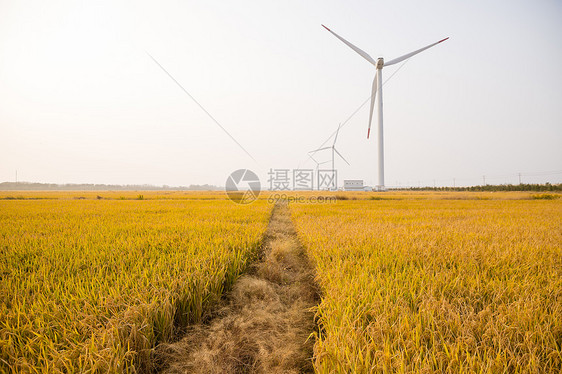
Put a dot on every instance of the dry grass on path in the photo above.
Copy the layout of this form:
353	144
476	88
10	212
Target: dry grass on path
264	324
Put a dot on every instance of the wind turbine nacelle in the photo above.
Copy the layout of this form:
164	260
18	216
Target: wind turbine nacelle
380	63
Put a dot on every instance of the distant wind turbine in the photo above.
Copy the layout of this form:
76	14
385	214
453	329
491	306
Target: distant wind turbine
377	86
317	163
333	148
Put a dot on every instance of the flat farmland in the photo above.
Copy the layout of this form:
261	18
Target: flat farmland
426	282
407	281
92	284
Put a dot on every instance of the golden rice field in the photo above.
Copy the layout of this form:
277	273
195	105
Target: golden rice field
410	282
448	282
90	284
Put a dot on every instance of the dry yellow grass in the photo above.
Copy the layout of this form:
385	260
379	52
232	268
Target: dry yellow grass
93	285
434	283
264	323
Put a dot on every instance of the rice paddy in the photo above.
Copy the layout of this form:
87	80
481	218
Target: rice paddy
409	282
437	285
93	285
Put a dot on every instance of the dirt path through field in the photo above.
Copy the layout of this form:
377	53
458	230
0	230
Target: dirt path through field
264	323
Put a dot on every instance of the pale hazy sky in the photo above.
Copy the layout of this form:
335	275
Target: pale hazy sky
81	102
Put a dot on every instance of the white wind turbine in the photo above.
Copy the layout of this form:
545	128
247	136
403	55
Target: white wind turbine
377	86
316	162
334	151
317	165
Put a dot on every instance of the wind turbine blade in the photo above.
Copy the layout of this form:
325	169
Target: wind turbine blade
339	154
406	56
337	132
319	149
360	51
313	159
373	96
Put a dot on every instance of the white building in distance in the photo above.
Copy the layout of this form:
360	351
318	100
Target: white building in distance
353	185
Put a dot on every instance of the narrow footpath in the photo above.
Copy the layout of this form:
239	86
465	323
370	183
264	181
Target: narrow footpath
264	323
